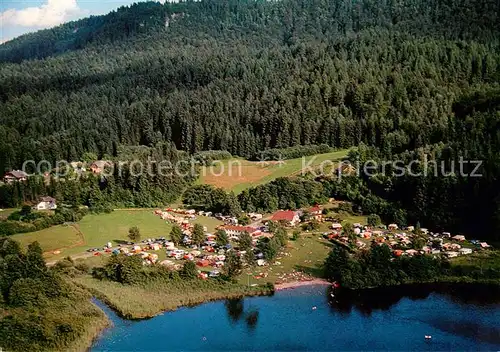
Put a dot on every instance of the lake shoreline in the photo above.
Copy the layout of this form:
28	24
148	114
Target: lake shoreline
264	291
295	284
217	324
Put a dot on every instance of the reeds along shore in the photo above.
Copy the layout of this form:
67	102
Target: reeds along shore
152	298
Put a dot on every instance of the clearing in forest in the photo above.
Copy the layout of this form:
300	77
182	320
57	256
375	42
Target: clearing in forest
237	174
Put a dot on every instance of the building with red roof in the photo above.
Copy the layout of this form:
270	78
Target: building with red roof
287	216
316	213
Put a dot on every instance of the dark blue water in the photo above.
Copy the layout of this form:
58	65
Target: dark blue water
382	320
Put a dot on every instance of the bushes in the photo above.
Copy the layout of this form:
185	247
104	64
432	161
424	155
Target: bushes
377	268
36	221
212	199
209	156
8	227
189	270
291	153
121	268
283	193
40	311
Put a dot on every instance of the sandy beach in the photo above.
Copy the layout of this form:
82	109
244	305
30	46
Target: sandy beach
294	284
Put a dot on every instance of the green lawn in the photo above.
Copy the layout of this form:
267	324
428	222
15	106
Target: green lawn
4	213
489	259
52	238
99	229
307	255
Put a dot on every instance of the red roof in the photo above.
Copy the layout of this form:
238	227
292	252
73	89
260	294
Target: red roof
315	209
248	229
287	215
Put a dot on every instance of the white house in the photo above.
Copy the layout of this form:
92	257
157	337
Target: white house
236	231
46	203
289	217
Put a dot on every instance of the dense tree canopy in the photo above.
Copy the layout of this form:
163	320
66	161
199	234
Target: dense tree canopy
244	76
241	77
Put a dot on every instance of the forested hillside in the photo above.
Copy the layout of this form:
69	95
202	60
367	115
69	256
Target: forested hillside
243	76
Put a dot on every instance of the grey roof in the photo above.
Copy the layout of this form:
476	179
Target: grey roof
17	174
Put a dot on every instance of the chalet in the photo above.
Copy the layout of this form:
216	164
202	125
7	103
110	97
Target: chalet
410	228
46	203
237	231
393	227
15	176
98	166
289	217
316	213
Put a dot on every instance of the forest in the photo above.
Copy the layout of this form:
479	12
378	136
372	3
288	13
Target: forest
40	310
399	79
377	267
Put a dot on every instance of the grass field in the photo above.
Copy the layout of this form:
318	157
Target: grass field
53	238
238	174
4	213
95	230
484	259
306	255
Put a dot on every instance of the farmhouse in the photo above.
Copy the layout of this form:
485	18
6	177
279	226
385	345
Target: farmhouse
15	176
46	203
287	216
316	213
98	166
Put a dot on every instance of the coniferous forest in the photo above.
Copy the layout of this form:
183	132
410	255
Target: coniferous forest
400	78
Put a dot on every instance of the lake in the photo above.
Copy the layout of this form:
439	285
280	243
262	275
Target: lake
308	318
